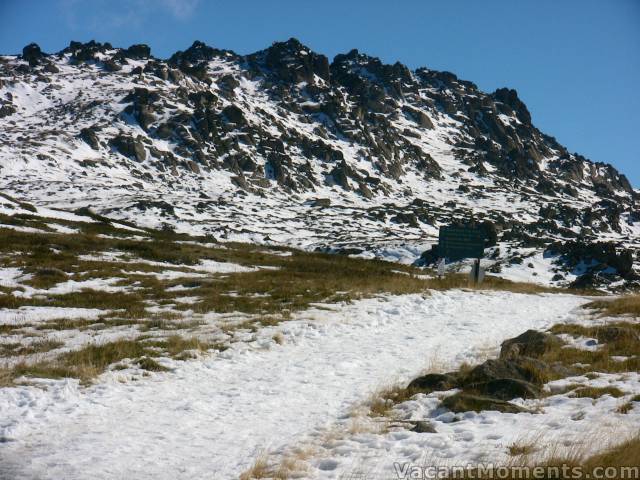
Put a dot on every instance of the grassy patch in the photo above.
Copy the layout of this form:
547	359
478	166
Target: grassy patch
381	404
626	305
91	360
597	392
490	282
150	364
520	449
573	464
19	349
628	406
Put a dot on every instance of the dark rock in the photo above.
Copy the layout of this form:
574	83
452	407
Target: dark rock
137	51
406	218
90	138
523	368
111	66
129	147
321	202
434	382
164	207
234	115
428	257
228	82
422	426
32	54
50	68
531	343
464	402
6	110
417	116
365	191
507	389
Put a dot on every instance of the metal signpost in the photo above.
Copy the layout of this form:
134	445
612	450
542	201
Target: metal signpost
458	242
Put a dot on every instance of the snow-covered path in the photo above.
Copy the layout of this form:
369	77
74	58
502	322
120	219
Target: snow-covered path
211	418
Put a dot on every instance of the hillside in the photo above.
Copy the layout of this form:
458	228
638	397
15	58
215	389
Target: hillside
285	147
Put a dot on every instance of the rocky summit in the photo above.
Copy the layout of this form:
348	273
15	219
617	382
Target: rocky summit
285	146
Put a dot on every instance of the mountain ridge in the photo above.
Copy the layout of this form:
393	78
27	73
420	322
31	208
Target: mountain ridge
284	146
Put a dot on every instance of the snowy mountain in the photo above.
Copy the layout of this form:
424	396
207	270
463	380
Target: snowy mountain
284	146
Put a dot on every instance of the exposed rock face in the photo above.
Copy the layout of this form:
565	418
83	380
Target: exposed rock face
407	150
138	51
129	147
32	53
90	137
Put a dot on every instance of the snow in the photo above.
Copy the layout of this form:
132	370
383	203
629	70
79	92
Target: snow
558	421
28	315
9	276
211	418
70	286
205	265
52	115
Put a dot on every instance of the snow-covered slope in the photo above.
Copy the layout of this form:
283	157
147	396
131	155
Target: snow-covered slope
284	146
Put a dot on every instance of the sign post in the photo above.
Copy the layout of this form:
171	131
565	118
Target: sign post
459	242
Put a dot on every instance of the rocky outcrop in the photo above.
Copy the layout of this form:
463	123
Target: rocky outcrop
129	147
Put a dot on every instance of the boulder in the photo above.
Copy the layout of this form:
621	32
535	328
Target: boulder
464	402
129	147
6	110
527	369
90	138
434	382
234	115
507	389
493	370
32	53
111	65
321	202
137	51
422	426
417	116
531	343
406	218
365	191
50	68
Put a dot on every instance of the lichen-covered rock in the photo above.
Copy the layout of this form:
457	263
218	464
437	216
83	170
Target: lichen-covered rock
531	343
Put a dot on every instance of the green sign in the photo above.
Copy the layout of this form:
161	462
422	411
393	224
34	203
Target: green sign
456	243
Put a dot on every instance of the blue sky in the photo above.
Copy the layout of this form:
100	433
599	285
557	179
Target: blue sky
575	63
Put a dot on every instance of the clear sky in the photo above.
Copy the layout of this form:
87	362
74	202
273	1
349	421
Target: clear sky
575	63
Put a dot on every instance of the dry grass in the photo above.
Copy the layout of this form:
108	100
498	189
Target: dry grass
627	305
19	349
628	406
562	463
92	360
150	364
520	449
597	392
259	469
382	402
459	280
